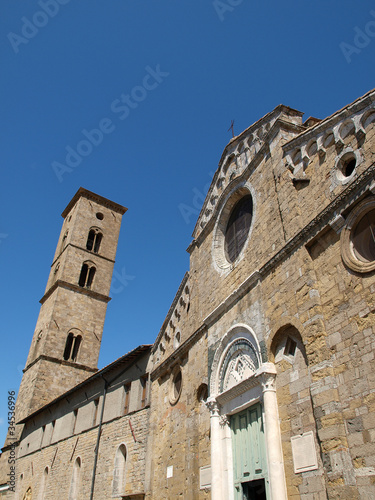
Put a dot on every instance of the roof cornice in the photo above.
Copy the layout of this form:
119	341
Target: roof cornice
85	193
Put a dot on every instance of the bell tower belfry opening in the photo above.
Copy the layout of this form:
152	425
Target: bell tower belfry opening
66	341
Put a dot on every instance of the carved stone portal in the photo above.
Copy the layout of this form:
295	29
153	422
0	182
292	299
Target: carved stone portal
241	362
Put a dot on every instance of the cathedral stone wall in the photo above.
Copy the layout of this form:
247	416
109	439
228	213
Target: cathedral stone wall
179	440
66	431
61	456
292	275
269	340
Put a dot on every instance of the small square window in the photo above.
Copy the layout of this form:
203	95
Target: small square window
290	347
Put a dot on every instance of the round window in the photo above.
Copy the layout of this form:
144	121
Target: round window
358	237
364	237
233	227
176	385
346	165
238	227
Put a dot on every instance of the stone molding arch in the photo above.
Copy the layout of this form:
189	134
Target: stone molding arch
255	387
312	147
176	381
347	251
367	118
96	228
223	209
281	325
75	331
89	262
237	332
229	190
346	128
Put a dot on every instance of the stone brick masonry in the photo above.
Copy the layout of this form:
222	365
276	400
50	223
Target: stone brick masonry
286	326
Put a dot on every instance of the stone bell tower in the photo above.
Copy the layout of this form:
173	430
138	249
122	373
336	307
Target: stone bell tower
65	347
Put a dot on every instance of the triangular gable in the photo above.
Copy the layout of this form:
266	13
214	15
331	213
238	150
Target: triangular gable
237	156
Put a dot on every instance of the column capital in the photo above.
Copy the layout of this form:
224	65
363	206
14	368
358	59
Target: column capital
268	381
267	376
213	406
224	420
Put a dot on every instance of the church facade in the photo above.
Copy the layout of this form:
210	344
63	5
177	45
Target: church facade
260	383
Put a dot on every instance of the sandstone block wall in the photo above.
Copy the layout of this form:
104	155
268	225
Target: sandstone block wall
66	431
180	432
290	286
303	284
60	458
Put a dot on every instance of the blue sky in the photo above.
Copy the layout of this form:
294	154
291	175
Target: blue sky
69	67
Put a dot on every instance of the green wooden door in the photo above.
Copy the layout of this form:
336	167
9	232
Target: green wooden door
249	455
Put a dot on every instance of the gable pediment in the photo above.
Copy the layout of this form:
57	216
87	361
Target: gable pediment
243	152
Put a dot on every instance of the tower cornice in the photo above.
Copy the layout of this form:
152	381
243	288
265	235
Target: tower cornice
75	288
84	250
60	362
85	193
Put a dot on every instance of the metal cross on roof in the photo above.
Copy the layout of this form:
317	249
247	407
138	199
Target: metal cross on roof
231	127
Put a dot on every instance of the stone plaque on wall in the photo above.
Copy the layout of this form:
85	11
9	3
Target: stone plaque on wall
304	453
205	477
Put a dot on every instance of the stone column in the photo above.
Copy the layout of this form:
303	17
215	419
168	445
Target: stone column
276	472
227	479
216	472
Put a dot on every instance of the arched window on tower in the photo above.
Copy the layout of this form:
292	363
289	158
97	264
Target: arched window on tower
98	240
72	345
90	277
87	275
118	483
38	341
93	240
83	275
76	344
68	346
63	241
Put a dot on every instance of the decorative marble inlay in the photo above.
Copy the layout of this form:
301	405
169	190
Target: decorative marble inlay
240	363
